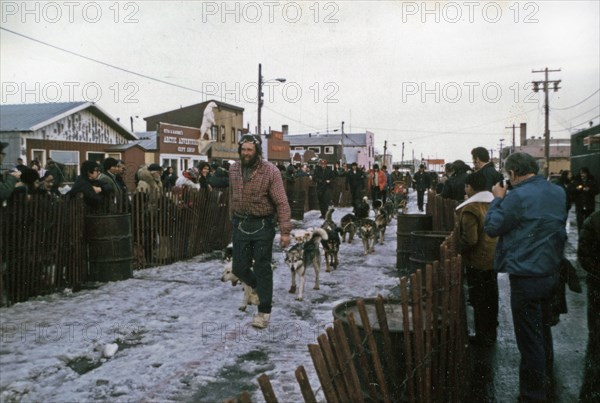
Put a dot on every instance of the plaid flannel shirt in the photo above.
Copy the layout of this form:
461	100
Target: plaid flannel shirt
262	195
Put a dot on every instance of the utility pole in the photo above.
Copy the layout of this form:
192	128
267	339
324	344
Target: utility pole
500	154
260	101
536	88
343	151
384	152
402	160
512	149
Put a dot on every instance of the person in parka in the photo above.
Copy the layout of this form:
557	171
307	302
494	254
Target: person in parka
478	250
150	190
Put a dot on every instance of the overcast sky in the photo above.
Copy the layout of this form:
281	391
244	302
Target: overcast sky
442	77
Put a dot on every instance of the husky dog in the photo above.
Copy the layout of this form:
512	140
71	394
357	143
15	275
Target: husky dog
390	209
331	244
362	210
347	226
250	295
301	235
300	256
331	247
381	221
377	205
367	230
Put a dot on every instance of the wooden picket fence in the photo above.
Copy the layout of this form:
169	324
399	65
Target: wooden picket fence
44	245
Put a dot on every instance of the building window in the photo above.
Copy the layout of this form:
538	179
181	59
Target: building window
95	156
214	132
39	156
222	134
328	150
68	163
239	136
233	134
298	148
315	149
171	162
116	156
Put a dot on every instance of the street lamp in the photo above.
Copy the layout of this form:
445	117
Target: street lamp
260	94
500	155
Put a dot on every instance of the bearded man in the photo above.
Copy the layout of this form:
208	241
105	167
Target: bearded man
257	202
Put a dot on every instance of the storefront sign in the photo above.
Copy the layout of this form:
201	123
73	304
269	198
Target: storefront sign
175	139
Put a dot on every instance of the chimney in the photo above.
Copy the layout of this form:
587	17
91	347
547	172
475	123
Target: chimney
523	134
284	130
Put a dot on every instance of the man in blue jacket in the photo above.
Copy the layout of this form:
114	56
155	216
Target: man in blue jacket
530	223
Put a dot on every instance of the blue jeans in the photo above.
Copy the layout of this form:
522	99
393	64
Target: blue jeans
253	249
530	304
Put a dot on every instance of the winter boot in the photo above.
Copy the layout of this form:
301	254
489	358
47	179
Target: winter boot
261	320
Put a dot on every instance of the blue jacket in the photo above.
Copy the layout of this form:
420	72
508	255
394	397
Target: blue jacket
530	222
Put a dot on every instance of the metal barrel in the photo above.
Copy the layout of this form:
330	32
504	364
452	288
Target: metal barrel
408	223
425	248
109	246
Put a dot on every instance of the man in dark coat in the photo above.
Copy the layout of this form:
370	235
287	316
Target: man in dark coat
454	188
96	194
481	162
109	177
584	189
421	182
324	177
355	181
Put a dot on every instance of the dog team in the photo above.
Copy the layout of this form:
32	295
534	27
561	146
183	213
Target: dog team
309	242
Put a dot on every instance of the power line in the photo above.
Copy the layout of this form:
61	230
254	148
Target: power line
570	129
566	123
579	103
287	117
108	64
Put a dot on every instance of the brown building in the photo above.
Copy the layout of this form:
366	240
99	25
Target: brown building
220	126
278	150
68	133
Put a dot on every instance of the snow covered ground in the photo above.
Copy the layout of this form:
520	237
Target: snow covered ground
181	337
179	331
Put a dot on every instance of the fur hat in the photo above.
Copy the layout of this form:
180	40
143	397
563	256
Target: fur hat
154	167
3	146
